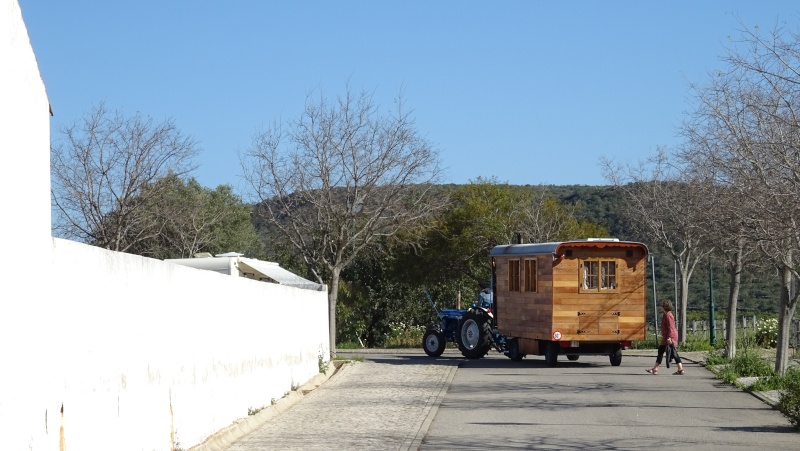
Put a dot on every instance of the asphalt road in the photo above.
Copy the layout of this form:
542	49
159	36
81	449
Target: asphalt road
404	400
494	403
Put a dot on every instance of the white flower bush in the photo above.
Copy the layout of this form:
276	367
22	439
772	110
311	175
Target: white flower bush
767	333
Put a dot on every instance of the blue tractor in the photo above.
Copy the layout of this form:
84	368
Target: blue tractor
450	328
438	334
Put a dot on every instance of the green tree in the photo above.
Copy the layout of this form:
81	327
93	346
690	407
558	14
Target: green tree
486	213
193	219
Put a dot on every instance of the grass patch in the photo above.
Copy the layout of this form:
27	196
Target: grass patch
254	410
349	359
348	345
716	358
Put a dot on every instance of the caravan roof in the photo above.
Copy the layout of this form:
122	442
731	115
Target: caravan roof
553	247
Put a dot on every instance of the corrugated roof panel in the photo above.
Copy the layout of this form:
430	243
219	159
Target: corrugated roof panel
275	272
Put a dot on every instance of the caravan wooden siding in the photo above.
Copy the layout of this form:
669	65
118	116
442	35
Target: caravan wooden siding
606	306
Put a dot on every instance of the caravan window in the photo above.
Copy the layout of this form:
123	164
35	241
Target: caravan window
530	275
598	275
513	275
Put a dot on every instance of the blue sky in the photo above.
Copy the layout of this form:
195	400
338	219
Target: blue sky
529	92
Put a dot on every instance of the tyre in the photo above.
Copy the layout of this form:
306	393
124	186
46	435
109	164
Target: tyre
433	343
551	353
572	357
616	357
513	350
474	334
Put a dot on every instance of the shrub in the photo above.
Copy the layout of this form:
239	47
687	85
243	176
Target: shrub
746	364
767	333
693	343
403	335
776	382
322	363
648	343
789	404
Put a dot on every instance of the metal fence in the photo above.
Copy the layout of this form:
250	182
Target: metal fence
745	326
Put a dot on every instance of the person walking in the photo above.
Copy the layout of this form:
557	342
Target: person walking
669	339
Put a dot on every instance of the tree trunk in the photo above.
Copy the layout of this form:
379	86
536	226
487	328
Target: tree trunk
333	295
684	302
733	300
785	315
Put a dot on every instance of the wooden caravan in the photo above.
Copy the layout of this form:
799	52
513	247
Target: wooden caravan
574	297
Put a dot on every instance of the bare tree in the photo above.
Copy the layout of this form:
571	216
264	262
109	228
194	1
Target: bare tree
747	129
101	170
728	216
340	177
545	219
727	229
668	209
769	69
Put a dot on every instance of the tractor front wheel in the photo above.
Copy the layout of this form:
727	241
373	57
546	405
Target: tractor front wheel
433	342
474	334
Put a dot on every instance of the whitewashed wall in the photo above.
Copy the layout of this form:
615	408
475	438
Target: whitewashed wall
141	354
24	229
132	336
104	350
24	140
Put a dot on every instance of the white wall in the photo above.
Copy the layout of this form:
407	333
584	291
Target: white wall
24	140
136	349
133	333
25	226
132	349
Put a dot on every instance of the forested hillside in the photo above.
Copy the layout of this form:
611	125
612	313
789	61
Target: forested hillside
601	205
381	293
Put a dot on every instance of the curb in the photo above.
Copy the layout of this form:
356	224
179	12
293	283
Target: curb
770	397
426	424
224	438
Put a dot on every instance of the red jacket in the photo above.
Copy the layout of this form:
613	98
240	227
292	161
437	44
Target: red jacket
668	329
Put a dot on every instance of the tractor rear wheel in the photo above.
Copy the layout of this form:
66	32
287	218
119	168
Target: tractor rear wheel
433	342
474	334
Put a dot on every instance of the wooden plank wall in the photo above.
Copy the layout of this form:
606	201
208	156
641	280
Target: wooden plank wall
555	306
525	314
